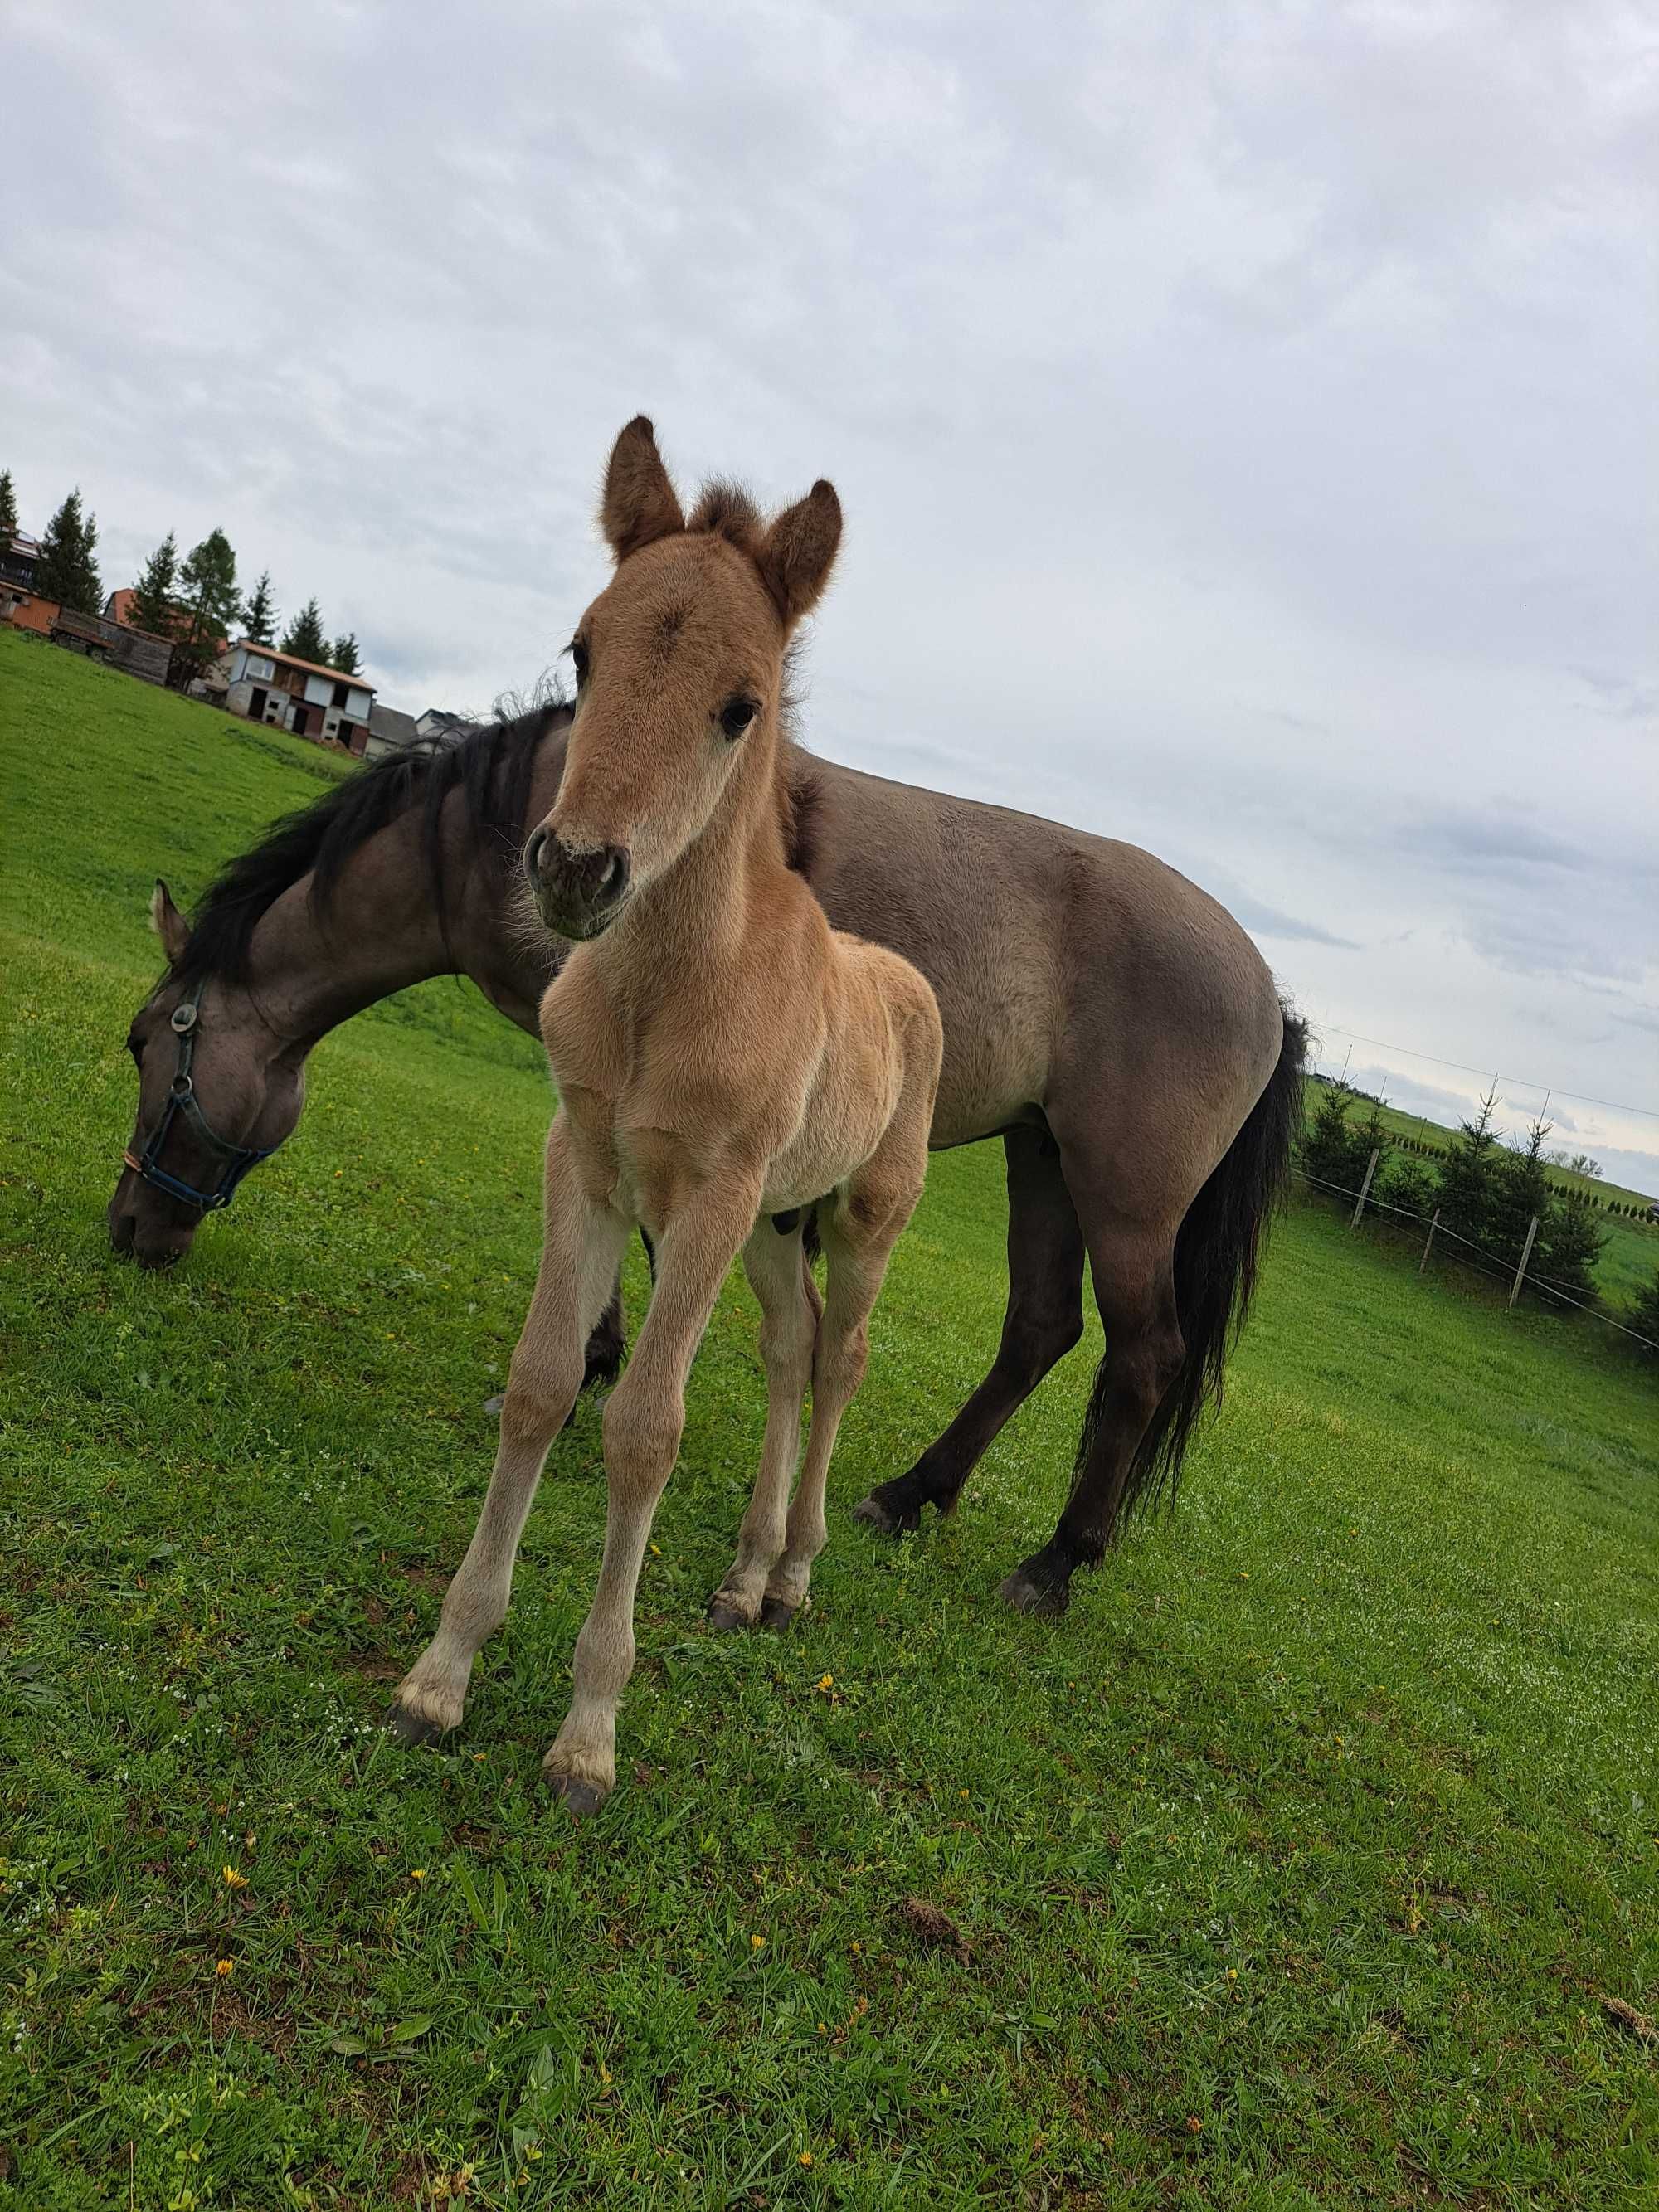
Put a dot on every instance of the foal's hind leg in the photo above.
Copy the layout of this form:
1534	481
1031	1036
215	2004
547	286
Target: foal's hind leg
581	1247
1044	1320
777	1274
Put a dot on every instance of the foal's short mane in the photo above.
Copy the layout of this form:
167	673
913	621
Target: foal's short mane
489	768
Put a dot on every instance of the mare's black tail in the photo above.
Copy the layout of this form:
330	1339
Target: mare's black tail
1217	1249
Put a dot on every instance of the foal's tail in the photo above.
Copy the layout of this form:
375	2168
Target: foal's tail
1217	1249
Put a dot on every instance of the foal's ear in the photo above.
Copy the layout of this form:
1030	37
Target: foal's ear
640	504
168	923
799	551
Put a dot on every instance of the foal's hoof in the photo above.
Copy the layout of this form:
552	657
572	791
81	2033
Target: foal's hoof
723	1614
777	1613
893	1515
411	1727
580	1798
1030	1590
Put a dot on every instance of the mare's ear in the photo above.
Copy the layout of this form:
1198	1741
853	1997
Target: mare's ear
640	504
799	551
168	923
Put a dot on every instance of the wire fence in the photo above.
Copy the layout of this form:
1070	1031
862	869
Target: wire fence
1483	1262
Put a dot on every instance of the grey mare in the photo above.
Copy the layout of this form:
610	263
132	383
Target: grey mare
1103	1016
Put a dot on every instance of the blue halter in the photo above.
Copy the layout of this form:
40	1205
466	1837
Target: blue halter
181	1099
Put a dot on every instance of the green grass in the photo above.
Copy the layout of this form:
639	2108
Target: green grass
1291	1868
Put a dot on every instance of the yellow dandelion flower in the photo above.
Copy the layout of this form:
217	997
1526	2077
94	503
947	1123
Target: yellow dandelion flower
757	1942
225	1966
418	1874
806	2158
234	1880
1232	1974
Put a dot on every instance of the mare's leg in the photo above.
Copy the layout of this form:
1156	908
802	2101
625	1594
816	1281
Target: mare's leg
777	1274
644	1417
1132	1266
1044	1320
581	1246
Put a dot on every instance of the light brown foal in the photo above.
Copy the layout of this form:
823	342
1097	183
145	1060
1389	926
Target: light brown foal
725	1061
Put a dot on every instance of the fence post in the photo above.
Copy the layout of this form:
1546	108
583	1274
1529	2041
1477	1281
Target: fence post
1526	1254
1365	1187
1429	1240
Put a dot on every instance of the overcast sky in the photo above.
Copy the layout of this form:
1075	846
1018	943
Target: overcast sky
1244	416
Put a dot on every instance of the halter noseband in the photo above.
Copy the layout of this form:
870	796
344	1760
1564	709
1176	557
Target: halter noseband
181	1099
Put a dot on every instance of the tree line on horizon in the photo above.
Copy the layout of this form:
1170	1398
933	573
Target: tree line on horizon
193	602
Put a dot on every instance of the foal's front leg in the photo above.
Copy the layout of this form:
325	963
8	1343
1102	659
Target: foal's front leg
581	1248
644	1419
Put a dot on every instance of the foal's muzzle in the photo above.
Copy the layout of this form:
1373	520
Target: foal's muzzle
579	895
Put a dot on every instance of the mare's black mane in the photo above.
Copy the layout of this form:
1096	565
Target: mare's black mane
490	768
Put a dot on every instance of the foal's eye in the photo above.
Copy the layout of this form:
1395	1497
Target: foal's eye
578	661
736	714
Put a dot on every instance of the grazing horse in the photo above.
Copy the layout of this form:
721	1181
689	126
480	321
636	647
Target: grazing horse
1103	1016
726	1063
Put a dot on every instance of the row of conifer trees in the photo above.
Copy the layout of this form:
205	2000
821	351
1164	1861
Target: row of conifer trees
1487	1193
192	600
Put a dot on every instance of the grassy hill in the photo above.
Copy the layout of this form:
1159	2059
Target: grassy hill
1307	1862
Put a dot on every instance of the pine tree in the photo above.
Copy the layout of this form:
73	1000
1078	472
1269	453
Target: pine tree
1467	1176
304	637
260	613
153	607
7	512
1335	1152
1520	1195
67	572
1569	1245
1644	1315
343	654
210	602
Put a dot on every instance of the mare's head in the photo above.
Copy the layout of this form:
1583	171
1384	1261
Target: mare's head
217	1090
680	679
260	946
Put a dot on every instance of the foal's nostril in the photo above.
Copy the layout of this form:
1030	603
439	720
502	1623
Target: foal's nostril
533	852
614	882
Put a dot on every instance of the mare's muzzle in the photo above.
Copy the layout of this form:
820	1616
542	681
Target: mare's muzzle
579	894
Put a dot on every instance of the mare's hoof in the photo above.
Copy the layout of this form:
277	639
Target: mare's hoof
1036	1593
411	1727
777	1613
892	1516
580	1797
723	1614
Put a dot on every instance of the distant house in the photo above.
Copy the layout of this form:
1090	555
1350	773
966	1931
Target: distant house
20	556
287	694
117	607
437	723
391	731
27	610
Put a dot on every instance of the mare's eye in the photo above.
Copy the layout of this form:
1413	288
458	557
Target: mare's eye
578	661
736	714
